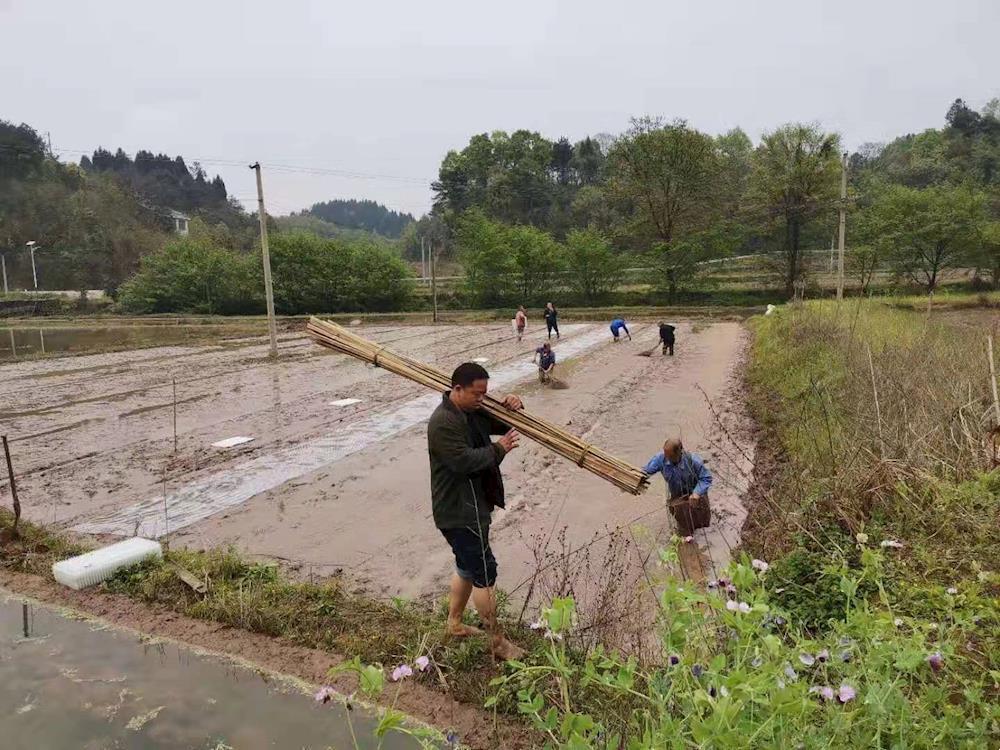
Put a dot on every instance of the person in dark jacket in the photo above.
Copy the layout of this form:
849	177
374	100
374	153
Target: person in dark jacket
552	320
667	337
466	486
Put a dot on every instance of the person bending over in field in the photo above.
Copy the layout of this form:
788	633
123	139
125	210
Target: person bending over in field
667	337
466	486
617	325
688	480
546	362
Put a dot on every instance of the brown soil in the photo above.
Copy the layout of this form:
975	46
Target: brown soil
475	727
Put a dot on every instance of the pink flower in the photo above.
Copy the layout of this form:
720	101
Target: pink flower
936	661
732	606
807	659
846	693
422	663
401	672
760	565
324	694
825	692
688	539
744	607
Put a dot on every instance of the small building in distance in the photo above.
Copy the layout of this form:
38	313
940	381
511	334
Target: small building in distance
180	221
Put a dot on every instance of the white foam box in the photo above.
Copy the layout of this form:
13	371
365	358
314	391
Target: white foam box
100	564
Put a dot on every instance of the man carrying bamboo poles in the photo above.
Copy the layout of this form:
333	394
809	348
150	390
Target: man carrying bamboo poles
688	480
465	487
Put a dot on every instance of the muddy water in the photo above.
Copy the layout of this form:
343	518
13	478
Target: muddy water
18	343
78	684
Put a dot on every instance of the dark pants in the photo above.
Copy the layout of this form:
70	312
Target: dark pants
552	326
474	559
668	344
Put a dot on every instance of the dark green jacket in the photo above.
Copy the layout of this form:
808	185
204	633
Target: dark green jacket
465	466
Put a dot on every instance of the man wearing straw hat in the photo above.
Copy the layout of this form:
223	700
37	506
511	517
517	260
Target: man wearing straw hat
465	487
688	480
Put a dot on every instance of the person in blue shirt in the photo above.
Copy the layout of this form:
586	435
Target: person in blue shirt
546	362
617	325
688	481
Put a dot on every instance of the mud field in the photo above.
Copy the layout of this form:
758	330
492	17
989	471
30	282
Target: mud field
344	489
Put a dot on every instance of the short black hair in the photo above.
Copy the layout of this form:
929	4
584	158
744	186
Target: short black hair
467	373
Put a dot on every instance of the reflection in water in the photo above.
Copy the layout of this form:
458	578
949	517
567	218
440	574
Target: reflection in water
70	683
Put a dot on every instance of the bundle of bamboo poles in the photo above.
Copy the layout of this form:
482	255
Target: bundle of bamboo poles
621	474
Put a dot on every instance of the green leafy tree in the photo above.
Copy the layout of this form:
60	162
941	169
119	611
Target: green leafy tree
793	180
988	251
486	257
538	260
506	176
595	270
923	233
192	276
669	175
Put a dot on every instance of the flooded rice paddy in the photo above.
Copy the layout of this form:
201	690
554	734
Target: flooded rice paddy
68	682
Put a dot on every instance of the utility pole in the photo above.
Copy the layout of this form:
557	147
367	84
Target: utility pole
268	290
423	263
843	227
31	249
3	265
434	289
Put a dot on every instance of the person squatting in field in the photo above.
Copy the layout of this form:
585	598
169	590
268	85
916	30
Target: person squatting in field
466	485
546	362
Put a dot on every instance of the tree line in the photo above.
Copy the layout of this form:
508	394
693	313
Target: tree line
669	196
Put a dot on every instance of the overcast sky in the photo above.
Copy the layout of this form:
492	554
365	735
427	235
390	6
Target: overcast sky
385	89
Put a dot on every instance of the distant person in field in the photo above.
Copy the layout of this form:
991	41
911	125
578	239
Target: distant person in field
520	322
667	337
617	325
546	362
688	480
466	486
552	320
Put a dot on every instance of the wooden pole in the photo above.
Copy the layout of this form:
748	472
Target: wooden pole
3	265
993	381
843	228
175	415
434	289
13	485
268	290
878	410
423	263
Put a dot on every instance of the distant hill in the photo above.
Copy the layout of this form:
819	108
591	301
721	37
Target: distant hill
364	214
306	222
